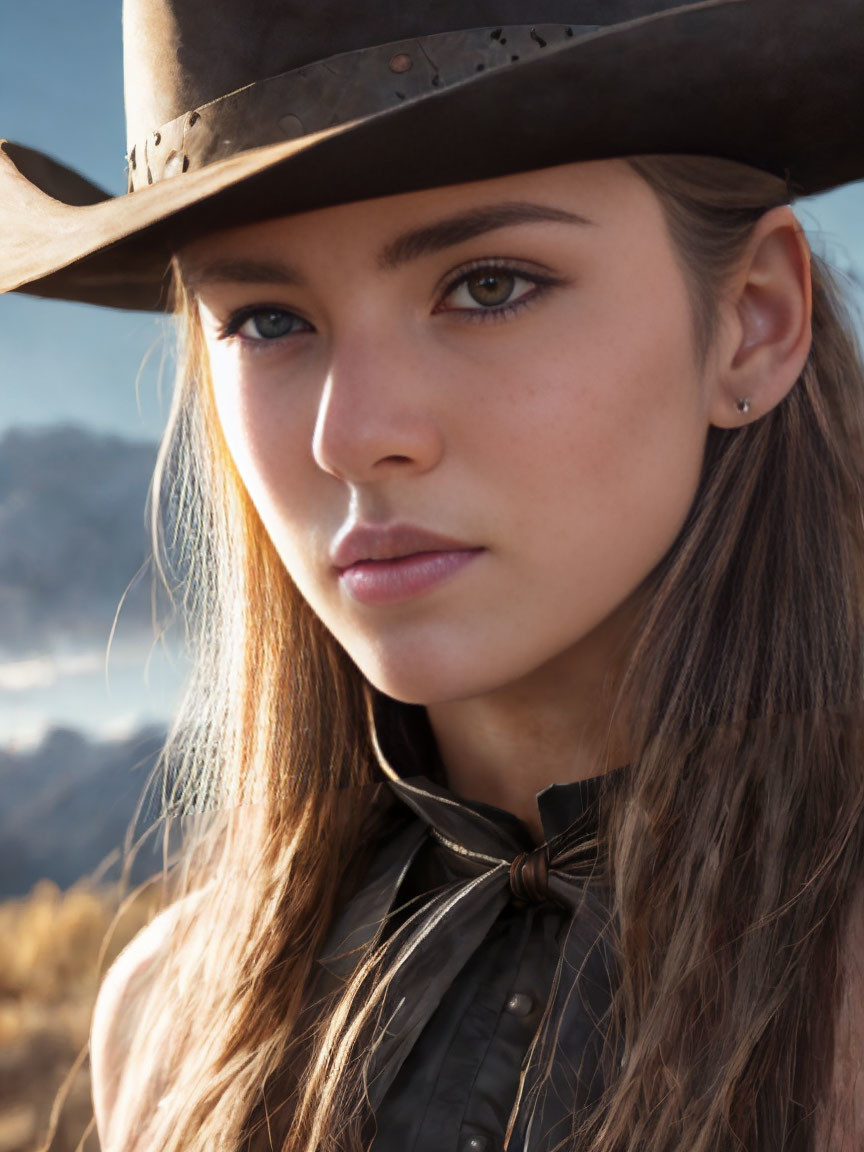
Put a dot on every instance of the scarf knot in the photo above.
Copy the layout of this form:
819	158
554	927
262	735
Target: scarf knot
529	876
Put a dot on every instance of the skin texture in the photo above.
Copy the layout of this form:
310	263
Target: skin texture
562	438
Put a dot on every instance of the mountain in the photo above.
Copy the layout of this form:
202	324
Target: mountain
72	535
67	804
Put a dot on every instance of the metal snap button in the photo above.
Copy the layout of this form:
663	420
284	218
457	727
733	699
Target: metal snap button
519	1004
292	126
476	1144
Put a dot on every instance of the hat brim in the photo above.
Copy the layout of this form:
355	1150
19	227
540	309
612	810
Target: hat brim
778	84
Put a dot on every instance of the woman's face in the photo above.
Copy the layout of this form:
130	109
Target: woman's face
471	419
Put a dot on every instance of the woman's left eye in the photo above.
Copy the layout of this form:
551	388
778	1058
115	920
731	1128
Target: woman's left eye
490	289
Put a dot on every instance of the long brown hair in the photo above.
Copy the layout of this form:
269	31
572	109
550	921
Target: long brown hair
733	847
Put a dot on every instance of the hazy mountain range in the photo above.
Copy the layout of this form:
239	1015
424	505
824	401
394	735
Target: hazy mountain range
65	808
72	536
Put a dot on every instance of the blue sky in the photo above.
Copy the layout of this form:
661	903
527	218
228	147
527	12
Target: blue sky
61	90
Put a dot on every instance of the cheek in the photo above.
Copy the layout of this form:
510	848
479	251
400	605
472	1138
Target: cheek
608	445
237	417
645	450
267	437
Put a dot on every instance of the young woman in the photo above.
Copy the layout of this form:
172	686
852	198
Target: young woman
514	494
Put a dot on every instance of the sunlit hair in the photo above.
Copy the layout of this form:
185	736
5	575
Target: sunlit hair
732	848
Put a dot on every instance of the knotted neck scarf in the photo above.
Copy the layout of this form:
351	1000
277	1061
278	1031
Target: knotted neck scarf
487	859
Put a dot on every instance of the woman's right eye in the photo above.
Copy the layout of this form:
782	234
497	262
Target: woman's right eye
264	324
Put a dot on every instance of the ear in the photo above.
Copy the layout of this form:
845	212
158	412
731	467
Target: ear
765	330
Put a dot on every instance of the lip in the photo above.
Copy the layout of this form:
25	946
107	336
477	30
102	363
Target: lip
389	563
389	542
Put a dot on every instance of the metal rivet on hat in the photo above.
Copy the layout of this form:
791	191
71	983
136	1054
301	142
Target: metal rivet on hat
401	62
174	164
157	138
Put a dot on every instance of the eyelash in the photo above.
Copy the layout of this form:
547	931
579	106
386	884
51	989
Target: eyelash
479	315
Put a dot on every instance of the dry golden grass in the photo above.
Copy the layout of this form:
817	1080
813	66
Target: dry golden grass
49	974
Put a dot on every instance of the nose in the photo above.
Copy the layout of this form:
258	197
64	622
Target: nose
376	414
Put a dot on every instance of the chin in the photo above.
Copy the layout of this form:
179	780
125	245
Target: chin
434	678
418	686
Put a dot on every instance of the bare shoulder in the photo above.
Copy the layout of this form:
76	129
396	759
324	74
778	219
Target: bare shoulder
116	1012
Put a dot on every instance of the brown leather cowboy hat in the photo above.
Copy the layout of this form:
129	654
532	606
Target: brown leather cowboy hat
240	110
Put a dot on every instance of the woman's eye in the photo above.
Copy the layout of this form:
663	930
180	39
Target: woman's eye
488	289
266	324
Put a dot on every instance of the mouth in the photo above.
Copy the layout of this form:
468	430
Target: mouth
389	542
386	564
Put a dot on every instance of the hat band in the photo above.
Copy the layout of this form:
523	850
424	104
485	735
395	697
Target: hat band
330	92
356	85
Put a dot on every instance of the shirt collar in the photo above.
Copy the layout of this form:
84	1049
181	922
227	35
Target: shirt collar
406	751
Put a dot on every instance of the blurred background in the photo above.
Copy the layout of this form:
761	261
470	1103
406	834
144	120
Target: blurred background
83	400
82	404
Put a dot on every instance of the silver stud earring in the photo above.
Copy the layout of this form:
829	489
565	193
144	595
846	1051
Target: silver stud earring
743	404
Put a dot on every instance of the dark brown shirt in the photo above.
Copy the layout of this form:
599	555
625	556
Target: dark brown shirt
497	1020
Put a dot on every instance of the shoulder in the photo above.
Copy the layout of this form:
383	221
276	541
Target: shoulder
116	1013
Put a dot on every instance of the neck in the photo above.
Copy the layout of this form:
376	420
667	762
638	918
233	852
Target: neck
554	726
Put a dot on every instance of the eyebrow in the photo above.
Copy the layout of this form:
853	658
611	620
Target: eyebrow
241	272
464	226
411	245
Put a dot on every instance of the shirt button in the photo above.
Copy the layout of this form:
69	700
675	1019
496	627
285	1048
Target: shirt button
519	1004
476	1144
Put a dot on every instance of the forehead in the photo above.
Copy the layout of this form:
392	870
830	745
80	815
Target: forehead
397	230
